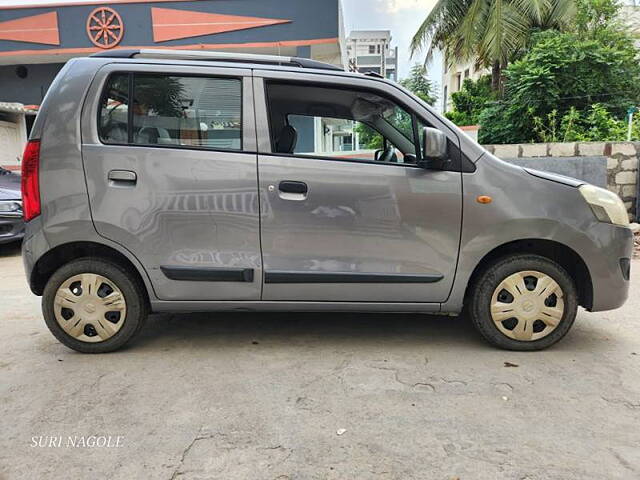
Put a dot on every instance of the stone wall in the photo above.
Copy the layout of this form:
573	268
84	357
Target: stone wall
618	162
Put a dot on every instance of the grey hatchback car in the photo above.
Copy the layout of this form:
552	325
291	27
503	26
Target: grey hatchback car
158	181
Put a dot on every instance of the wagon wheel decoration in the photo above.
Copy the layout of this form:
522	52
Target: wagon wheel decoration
105	27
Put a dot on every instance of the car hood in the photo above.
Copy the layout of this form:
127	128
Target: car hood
9	186
555	177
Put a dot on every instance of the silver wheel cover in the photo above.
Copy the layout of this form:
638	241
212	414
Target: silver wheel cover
90	307
527	306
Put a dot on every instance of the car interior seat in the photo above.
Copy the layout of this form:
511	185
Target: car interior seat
286	142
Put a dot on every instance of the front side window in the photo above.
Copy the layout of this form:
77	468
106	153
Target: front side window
180	111
339	138
318	121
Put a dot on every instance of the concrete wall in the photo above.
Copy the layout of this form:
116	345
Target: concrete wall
613	165
29	90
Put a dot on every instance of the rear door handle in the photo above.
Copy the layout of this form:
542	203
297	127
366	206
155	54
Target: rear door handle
290	186
122	177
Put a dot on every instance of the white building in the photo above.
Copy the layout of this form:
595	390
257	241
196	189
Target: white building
13	133
631	16
371	51
454	76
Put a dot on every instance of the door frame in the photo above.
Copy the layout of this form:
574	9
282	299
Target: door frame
89	134
265	148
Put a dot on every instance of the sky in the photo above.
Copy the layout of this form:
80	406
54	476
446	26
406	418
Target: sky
402	17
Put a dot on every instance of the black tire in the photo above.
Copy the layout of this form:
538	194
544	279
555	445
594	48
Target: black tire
485	284
133	292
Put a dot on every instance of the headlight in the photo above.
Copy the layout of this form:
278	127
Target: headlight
10	208
606	205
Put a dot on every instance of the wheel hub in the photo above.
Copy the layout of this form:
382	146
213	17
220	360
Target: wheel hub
527	305
90	307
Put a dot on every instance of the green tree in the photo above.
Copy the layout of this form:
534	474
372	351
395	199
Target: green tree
493	32
471	100
596	64
163	94
594	124
369	139
418	83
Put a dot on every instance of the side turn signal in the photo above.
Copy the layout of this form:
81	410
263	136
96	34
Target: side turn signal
484	199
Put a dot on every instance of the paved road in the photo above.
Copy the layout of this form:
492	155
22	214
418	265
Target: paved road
244	396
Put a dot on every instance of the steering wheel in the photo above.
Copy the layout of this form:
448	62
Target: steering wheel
388	155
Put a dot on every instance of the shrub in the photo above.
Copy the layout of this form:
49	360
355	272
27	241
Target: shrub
471	100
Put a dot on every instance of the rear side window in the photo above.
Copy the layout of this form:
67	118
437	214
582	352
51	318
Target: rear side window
114	108
168	110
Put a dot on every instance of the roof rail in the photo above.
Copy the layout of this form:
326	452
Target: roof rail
217	57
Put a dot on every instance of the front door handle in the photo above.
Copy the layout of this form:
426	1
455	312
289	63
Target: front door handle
122	177
290	186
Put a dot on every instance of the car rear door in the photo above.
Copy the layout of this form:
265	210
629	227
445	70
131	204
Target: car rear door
338	230
170	165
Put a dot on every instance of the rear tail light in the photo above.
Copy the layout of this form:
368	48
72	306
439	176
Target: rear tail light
30	180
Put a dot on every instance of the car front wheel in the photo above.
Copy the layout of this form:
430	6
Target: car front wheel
523	302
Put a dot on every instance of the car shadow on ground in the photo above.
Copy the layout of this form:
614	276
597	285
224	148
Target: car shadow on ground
10	249
284	328
230	330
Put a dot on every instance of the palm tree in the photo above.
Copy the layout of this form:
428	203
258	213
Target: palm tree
491	31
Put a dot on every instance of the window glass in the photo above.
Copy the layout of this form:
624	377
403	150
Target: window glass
114	110
187	111
401	120
197	112
321	121
342	139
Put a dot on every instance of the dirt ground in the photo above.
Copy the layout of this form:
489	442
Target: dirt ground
317	396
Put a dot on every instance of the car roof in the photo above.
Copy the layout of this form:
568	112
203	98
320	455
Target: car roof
216	56
228	59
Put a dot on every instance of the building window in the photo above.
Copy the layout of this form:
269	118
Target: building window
466	73
458	81
372	49
445	100
378	48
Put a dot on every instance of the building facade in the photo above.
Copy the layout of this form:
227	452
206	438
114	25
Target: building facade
453	78
37	39
13	132
371	51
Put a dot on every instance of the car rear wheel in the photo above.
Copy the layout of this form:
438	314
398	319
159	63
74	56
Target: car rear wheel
93	305
523	302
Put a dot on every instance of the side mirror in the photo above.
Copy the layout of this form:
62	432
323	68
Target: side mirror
434	149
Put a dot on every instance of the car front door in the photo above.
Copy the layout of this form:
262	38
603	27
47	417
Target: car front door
170	164
339	221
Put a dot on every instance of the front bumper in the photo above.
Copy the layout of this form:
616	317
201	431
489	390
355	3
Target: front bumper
11	229
608	266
